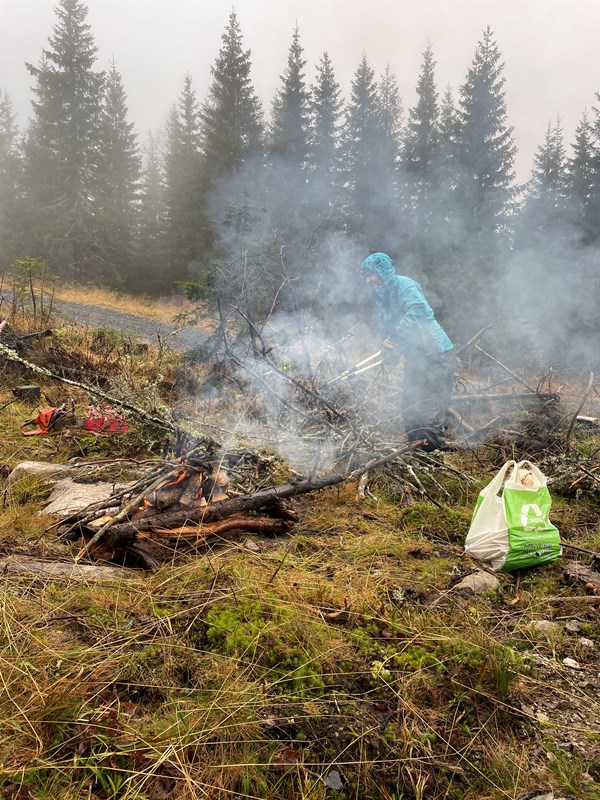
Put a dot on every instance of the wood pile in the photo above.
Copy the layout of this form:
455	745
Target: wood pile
186	502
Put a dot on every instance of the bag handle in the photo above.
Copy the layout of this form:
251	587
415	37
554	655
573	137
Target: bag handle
495	484
535	471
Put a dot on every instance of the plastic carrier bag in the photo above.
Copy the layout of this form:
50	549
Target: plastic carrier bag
512	530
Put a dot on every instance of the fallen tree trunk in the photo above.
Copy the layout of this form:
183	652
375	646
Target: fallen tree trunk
544	397
63	570
123	534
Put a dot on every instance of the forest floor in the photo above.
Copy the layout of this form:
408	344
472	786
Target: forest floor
337	661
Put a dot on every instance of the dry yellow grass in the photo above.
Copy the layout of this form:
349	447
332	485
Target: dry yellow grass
162	309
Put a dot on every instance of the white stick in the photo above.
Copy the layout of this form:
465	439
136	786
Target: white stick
370	366
365	360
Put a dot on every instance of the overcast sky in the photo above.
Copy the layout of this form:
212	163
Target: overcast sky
550	49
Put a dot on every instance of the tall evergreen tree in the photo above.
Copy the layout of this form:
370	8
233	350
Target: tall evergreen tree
390	104
187	229
421	136
592	226
233	152
583	180
366	158
420	162
486	152
449	132
326	109
119	174
11	212
232	124
63	145
152	253
290	114
543	222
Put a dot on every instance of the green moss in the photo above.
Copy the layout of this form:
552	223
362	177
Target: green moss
290	655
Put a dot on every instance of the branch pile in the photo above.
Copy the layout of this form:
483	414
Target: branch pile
186	502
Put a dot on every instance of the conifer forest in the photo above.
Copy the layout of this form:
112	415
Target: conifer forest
238	194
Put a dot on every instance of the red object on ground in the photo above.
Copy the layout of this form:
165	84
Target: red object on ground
105	419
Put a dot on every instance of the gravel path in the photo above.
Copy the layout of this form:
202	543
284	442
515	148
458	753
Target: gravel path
144	330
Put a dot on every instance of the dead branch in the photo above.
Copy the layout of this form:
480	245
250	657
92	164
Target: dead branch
504	367
198	534
545	397
472	340
12	355
576	414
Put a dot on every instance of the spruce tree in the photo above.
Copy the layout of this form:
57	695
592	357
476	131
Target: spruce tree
151	274
11	212
421	136
233	154
63	146
119	174
326	109
187	229
544	221
582	180
449	132
591	225
290	113
232	125
486	152
369	190
419	162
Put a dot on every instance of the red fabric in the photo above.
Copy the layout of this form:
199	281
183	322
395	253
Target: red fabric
105	420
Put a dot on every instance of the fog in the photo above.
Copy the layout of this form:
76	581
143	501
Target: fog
549	48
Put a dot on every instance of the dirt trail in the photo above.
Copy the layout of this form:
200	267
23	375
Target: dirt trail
142	329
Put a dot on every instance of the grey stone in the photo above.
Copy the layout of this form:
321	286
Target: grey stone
478	583
67	496
573	626
586	642
41	470
545	626
333	780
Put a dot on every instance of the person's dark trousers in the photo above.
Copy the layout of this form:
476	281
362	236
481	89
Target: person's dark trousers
426	397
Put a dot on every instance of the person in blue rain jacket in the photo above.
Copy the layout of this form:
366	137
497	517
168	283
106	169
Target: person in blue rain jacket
408	329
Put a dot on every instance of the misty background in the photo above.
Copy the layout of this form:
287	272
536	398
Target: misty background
202	150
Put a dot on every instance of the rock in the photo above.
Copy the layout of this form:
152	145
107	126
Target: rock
249	544
588	643
42	470
67	497
478	583
564	746
333	780
570	662
537	794
545	626
573	626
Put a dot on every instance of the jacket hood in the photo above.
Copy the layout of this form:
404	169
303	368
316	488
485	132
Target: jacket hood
379	263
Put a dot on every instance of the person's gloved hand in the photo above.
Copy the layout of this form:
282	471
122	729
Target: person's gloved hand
390	354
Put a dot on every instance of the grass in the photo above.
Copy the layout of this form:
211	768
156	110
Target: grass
339	648
163	309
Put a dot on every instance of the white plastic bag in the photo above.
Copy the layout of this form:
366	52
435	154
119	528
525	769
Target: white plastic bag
511	527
